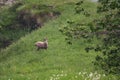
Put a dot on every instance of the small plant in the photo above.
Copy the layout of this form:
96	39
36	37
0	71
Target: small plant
78	76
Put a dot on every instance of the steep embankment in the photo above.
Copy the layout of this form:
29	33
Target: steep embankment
21	60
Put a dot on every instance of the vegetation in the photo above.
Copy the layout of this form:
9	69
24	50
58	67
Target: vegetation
22	18
106	28
22	61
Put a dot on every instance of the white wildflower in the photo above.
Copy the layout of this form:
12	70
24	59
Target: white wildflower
103	74
99	75
76	77
61	75
79	73
84	72
56	78
57	75
82	75
65	74
53	74
95	72
51	78
90	75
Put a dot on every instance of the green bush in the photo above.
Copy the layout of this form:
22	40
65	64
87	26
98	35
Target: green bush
105	28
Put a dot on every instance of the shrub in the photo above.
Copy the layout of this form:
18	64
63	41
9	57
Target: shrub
105	28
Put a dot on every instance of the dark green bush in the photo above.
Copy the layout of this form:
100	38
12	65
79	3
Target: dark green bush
107	31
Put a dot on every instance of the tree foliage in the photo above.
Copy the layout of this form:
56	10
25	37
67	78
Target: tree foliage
106	29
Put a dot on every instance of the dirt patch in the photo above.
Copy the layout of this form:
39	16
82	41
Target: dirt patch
36	20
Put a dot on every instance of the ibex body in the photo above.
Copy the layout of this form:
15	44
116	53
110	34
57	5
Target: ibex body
42	45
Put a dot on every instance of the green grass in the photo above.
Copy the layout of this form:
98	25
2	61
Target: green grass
21	60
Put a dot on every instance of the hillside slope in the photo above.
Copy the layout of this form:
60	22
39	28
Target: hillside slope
21	60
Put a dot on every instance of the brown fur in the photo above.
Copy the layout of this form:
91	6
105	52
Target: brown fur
42	45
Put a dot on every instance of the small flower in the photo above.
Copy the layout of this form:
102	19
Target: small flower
61	75
103	74
99	75
90	75
84	72
82	75
51	78
65	74
76	77
79	73
57	75
53	74
95	72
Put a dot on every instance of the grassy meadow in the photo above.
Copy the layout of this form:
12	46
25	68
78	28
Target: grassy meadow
22	61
